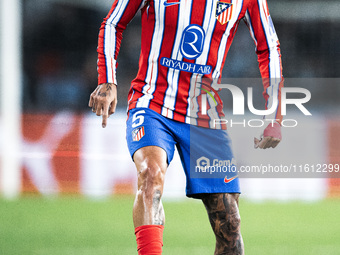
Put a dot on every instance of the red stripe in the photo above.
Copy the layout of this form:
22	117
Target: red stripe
265	12
170	30
102	76
128	14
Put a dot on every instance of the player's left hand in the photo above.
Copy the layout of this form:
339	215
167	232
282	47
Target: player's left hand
270	138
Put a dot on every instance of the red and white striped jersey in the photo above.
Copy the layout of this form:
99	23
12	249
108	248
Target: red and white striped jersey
185	41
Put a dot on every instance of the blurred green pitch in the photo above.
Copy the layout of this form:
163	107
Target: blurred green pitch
72	225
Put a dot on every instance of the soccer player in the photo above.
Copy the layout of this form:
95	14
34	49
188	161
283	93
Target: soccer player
183	48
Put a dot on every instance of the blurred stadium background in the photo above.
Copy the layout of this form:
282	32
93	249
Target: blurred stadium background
67	185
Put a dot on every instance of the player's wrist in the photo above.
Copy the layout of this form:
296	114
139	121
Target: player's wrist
107	83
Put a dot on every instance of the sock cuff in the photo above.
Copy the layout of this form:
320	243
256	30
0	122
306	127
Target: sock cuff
148	227
149	239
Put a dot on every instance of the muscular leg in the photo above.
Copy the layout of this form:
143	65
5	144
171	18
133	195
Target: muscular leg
225	221
151	163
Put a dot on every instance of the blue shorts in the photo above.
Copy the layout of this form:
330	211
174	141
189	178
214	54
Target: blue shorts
206	154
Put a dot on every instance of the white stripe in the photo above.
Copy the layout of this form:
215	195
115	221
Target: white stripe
274	59
230	12
250	26
227	14
212	113
194	91
238	7
209	23
156	44
110	40
173	74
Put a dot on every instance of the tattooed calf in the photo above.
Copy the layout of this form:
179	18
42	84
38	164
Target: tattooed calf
225	220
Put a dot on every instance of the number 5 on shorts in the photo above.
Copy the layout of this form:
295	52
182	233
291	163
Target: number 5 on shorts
138	119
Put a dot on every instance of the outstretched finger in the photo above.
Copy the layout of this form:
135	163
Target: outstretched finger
104	122
105	116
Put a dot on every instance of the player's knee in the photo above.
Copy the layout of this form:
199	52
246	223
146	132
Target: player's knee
234	222
151	179
233	215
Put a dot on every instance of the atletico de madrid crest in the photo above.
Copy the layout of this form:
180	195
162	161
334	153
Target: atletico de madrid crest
138	134
224	11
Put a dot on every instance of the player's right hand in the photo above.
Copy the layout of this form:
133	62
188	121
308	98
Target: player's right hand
103	101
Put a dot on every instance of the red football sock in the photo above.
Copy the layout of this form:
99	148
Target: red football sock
149	239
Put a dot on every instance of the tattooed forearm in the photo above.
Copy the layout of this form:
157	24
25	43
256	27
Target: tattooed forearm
225	220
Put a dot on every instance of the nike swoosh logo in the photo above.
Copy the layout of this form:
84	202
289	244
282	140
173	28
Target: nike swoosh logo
166	4
226	180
